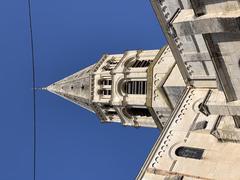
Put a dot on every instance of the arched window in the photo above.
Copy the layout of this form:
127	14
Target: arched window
141	63
138	112
135	87
189	152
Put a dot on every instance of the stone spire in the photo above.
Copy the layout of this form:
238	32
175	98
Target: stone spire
75	88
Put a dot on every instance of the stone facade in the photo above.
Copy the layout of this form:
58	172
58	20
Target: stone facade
195	146
201	138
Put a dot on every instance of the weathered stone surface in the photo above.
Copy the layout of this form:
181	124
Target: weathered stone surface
204	38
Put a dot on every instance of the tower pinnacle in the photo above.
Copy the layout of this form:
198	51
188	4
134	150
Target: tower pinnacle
75	88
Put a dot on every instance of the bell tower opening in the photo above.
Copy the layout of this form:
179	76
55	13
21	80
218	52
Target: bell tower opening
138	112
135	87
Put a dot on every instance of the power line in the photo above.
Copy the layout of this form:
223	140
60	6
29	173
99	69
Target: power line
33	89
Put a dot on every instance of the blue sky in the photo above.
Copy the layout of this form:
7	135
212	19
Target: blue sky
68	35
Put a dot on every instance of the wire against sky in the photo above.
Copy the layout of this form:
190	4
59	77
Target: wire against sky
33	88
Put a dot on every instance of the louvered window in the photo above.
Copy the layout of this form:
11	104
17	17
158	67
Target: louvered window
141	63
135	87
138	112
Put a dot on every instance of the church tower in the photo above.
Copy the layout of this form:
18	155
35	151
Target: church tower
138	88
200	120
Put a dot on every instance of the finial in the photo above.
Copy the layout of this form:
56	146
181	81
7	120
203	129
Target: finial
41	88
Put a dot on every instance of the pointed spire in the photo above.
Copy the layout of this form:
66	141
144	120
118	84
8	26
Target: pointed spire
75	88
